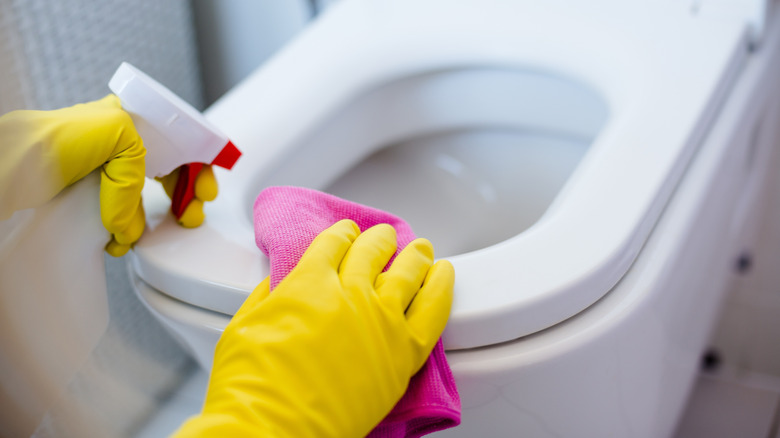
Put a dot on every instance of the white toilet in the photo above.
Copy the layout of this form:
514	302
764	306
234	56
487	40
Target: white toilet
591	170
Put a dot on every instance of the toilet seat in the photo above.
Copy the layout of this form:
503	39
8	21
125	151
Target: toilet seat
660	105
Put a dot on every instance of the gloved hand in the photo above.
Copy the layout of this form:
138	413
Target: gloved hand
332	349
46	151
205	190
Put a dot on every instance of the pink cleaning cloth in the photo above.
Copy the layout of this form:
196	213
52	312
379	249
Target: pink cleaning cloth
287	219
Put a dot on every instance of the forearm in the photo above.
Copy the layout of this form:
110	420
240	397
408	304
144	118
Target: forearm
27	178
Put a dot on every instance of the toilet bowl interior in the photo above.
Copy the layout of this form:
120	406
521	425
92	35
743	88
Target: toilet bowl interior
470	157
465	190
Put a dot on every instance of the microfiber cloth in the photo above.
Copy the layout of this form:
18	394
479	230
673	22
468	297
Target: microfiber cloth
287	219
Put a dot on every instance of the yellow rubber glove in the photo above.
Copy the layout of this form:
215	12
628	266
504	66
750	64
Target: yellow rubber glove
205	190
332	349
46	151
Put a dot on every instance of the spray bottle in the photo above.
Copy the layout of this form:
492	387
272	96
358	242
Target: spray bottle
174	133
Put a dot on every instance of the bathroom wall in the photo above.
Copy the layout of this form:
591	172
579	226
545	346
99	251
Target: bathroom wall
236	36
746	338
55	54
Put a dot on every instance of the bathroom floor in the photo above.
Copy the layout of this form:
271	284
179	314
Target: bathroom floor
728	404
723	405
185	402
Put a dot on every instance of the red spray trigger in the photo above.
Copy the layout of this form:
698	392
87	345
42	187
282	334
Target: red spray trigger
227	156
184	191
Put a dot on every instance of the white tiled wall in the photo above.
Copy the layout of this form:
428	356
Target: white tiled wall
748	334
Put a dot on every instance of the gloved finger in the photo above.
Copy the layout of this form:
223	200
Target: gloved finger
169	182
88	135
327	250
120	195
206	184
254	299
398	285
193	215
135	227
205	190
430	309
121	242
122	177
206	187
115	249
369	255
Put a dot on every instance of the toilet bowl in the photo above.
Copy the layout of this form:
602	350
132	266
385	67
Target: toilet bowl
590	176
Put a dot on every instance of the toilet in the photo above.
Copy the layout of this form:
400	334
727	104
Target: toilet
591	171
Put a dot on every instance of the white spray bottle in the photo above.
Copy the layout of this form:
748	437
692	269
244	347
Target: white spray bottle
174	133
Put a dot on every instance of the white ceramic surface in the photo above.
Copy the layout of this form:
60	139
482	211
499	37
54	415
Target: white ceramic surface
603	75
